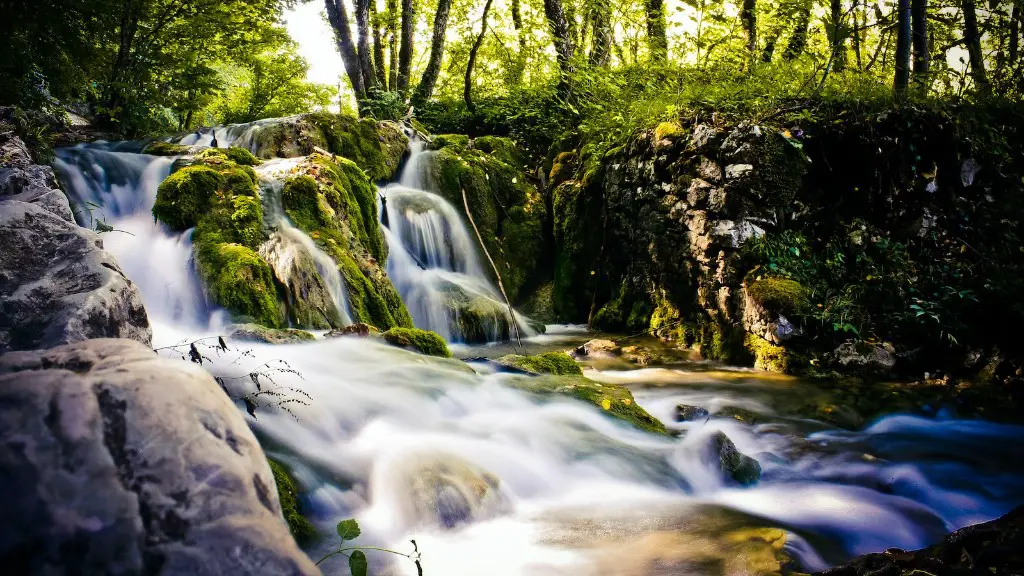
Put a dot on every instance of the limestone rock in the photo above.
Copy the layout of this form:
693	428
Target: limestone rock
866	359
58	285
705	138
262	334
24	181
118	461
698	193
597	348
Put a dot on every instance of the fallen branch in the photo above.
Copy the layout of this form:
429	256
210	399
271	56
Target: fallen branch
501	286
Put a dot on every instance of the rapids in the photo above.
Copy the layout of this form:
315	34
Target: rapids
491	480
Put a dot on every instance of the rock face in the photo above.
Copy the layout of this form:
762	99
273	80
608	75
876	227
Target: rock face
25	181
119	462
58	285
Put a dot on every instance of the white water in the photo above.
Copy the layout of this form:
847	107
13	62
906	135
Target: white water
434	257
523	486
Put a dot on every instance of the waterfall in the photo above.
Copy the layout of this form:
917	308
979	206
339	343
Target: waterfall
434	261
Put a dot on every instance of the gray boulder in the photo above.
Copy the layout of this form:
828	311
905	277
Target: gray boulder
735	466
117	461
58	285
22	180
865	359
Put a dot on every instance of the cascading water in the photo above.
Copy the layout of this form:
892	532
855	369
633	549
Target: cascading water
489	479
434	263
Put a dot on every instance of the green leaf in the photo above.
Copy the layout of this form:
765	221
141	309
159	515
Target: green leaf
357	562
348	529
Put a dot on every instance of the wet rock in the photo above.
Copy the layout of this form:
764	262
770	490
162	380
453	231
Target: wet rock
22	180
638	355
264	335
58	285
117	461
422	341
993	548
446	491
558	363
866	359
361	329
738	467
687	413
598	348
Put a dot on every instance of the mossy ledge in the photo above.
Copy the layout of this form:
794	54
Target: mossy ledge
287	492
557	363
422	341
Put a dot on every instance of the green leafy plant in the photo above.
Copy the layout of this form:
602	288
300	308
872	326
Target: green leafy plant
349	530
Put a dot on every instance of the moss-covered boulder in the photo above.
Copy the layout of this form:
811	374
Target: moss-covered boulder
264	335
616	401
576	216
506	208
422	341
734	465
557	363
335	204
185	196
288	494
241	156
779	295
237	279
166	149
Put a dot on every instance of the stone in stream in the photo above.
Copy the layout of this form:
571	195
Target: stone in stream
117	461
687	413
58	285
866	359
598	348
734	465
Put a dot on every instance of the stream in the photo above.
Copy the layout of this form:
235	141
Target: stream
489	479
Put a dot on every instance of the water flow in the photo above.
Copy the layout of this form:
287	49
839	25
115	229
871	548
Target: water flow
434	261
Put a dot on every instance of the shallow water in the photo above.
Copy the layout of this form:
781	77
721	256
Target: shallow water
489	479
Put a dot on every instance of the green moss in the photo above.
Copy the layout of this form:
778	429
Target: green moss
237	279
375	147
778	295
630	311
668	130
501	148
667	322
614	400
576	215
287	495
242	156
423	341
557	363
767	356
165	149
185	196
371	296
722	342
460	142
257	333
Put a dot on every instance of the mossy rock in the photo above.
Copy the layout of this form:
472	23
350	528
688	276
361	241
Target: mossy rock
238	279
335	204
185	196
557	363
287	494
539	307
166	149
262	334
422	341
779	295
576	215
616	401
241	156
458	141
668	131
768	356
376	147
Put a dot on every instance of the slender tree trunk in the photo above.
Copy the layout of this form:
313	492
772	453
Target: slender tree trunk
365	56
837	39
429	78
393	45
919	33
564	49
337	15
600	48
748	15
519	66
379	69
1014	49
798	41
468	91
405	52
856	33
972	38
657	37
903	42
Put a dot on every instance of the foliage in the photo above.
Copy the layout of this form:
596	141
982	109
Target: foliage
349	530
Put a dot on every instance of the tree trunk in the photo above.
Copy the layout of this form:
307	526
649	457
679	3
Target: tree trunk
837	39
365	56
564	49
405	52
429	78
378	48
903	41
600	48
1014	49
919	34
657	38
337	15
972	38
855	33
393	45
748	16
798	41
121	72
468	91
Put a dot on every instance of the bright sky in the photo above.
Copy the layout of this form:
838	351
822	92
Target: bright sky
316	42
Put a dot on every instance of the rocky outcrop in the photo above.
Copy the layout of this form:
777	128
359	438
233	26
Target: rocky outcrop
119	462
734	466
989	548
57	284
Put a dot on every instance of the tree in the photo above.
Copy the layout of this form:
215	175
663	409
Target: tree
748	15
657	38
364	54
903	31
562	39
468	88
837	35
429	78
798	40
601	45
337	16
972	38
919	31
405	52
